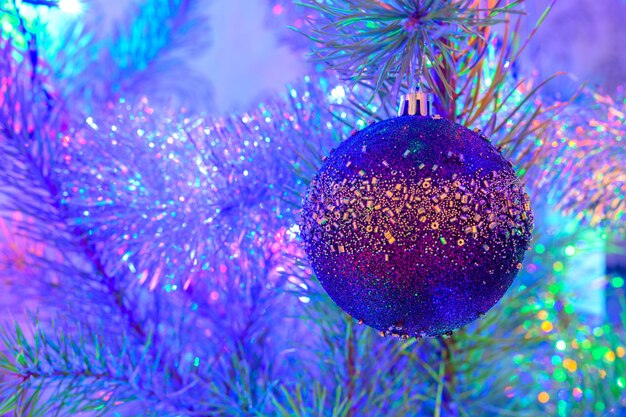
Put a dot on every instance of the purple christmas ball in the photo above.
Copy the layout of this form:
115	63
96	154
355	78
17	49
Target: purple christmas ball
416	226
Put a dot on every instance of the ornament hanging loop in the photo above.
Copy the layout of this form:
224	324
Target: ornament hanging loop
415	73
416	102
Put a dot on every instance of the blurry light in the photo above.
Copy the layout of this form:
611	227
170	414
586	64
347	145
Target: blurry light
558	266
91	123
560	345
540	249
617	282
559	375
543	397
338	93
578	393
70	6
570	250
570	365
6	26
293	231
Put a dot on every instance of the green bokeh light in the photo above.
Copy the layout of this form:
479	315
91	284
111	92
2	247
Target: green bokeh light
559	375
558	266
617	282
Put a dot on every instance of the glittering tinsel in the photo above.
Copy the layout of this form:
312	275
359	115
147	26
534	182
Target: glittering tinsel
583	168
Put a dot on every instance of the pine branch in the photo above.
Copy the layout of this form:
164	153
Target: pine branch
146	50
72	368
375	41
28	152
142	52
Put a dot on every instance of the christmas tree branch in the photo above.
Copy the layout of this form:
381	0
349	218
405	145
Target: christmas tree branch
28	151
92	67
146	52
71	368
376	42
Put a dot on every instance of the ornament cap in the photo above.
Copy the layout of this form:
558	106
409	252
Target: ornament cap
416	103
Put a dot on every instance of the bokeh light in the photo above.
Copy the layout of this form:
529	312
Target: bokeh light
70	6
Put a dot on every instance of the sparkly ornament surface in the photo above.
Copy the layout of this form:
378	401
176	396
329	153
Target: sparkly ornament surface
416	225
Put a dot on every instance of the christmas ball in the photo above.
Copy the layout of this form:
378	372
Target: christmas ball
416	226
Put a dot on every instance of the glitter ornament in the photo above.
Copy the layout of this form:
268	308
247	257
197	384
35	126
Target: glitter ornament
416	226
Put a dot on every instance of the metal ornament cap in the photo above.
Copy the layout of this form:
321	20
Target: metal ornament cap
416	103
